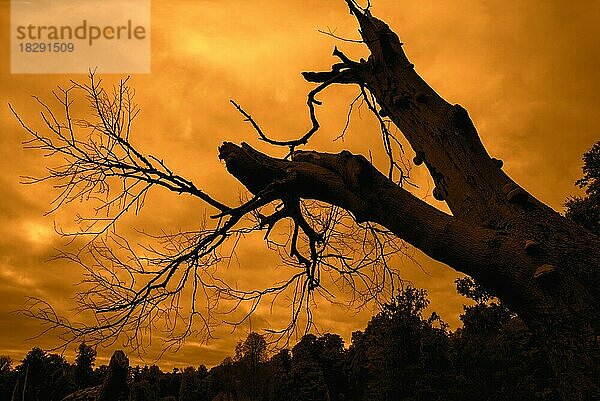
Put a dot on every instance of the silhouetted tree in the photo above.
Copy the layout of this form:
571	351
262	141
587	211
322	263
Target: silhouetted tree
170	385
331	360
401	355
143	391
100	373
495	356
84	366
115	386
8	378
543	266
224	379
585	210
487	315
189	385
280	374
195	385
145	383
306	376
44	376
253	350
251	355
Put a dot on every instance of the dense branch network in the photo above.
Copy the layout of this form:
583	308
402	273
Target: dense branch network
175	285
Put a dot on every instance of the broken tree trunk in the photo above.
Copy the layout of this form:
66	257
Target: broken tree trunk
544	267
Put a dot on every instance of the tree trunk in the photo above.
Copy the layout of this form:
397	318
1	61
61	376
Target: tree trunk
541	265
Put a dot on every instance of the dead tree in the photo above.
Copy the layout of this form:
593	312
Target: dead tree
541	265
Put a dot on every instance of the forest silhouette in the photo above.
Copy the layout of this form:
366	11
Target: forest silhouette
402	354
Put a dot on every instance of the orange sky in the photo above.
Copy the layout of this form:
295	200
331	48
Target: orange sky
527	72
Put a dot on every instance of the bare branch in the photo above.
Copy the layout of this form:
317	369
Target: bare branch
311	102
175	285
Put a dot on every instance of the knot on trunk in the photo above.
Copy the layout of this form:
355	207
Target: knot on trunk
355	170
514	193
544	272
532	248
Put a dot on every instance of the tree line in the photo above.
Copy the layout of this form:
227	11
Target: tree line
402	354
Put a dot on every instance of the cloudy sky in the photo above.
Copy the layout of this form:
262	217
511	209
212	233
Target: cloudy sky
527	72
